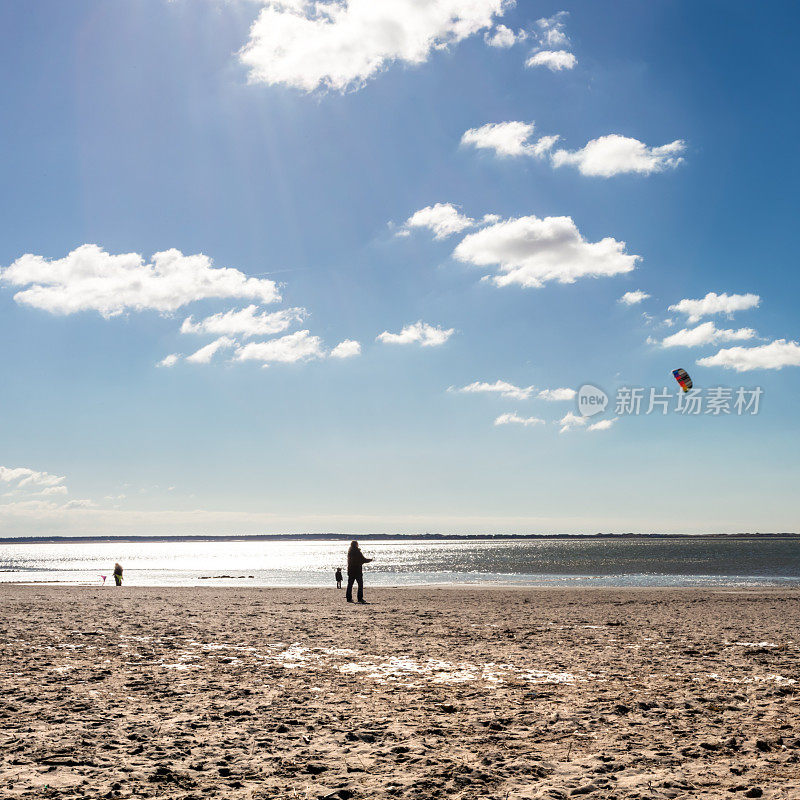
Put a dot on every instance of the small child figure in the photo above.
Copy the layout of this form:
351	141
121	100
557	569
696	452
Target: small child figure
338	577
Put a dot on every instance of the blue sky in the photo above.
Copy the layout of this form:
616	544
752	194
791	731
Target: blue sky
327	160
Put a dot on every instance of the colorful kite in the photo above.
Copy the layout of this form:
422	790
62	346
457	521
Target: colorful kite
682	376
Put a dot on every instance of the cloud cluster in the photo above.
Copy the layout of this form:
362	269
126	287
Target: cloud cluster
170	360
707	333
554	60
529	252
245	322
206	353
30	479
508	139
516	419
615	155
775	355
346	349
503	37
552	31
503	388
298	346
572	421
36	493
31	487
89	279
714	303
604	157
601	425
634	297
417	333
442	219
555	395
553	43
510	391
294	347
340	45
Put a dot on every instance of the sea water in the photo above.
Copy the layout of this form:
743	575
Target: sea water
711	561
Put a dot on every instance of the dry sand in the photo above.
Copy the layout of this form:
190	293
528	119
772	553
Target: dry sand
427	693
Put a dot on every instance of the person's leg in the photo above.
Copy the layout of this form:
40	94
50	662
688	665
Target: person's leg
349	593
360	580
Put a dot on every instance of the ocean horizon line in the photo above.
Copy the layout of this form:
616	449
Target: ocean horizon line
271	537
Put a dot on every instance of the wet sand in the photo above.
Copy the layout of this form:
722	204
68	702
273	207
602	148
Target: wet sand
426	693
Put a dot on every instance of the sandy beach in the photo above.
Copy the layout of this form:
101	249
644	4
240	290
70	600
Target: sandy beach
427	692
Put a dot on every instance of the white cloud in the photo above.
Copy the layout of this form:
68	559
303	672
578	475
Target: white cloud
542	146
34	489
530	251
89	279
444	219
53	490
775	355
707	333
714	303
516	419
245	321
553	45
508	139
634	297
79	504
503	388
614	155
552	30
505	138
205	354
298	346
556	394
346	349
606	156
339	45
554	60
169	361
419	332
602	425
28	507
570	421
31	479
504	37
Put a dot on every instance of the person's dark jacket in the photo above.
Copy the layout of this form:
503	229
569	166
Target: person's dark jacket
355	561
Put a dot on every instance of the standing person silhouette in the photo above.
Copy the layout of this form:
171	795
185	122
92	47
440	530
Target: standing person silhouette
355	573
117	574
338	576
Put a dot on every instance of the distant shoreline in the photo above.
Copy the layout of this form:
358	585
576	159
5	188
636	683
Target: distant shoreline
377	537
